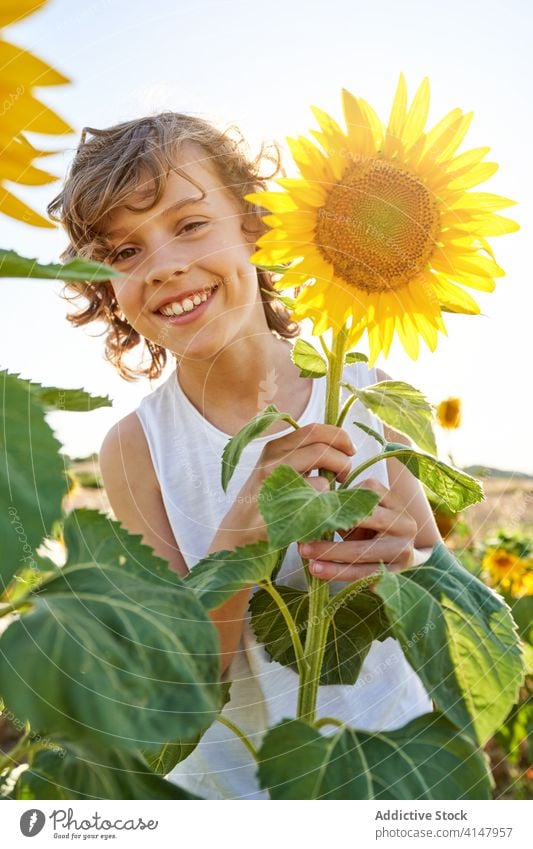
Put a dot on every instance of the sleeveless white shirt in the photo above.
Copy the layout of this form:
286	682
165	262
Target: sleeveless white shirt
186	452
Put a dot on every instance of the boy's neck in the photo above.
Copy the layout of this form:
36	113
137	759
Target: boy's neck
241	383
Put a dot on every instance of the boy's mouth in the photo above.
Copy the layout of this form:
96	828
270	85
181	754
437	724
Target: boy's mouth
188	303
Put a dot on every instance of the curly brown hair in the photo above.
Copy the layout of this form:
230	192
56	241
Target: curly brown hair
106	170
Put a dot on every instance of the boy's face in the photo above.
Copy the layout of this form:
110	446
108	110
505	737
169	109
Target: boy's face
174	255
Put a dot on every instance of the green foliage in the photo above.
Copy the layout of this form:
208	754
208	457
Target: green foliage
402	407
426	759
76	772
308	360
294	511
13	265
460	638
255	427
457	489
31	477
220	575
105	654
355	357
358	619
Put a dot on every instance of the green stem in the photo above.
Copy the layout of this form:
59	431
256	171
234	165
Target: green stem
319	621
291	624
384	456
325	348
345	409
339	598
240	734
328	720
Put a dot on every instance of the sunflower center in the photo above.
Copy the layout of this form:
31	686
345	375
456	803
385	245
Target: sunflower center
378	227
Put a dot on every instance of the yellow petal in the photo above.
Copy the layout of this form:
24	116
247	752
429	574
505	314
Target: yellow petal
482	201
359	130
398	111
15	208
417	115
12	11
303	192
274	201
27	175
24	69
474	176
312	163
493	225
453	297
374	122
29	114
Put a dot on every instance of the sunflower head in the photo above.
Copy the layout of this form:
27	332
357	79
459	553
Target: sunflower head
22	112
381	230
449	413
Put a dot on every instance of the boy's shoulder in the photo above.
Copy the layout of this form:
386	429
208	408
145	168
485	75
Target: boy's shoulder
124	451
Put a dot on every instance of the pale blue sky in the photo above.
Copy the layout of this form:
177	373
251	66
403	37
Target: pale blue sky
262	66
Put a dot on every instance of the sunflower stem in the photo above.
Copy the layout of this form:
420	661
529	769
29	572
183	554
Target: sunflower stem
319	621
384	456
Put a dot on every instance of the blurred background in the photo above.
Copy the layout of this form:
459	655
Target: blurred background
262	67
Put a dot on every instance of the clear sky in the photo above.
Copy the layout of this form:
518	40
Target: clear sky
262	66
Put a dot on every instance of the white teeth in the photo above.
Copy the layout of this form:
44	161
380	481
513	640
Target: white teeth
188	304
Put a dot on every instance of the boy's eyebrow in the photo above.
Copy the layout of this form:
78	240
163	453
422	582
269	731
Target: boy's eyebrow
166	212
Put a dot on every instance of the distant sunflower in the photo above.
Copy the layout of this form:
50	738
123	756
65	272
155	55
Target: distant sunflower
508	571
382	225
20	72
449	413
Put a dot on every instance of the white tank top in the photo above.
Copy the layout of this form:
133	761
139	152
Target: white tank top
186	452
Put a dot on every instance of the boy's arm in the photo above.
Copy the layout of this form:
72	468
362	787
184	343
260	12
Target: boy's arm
135	497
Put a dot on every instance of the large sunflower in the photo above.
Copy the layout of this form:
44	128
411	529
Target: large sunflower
20	71
382	226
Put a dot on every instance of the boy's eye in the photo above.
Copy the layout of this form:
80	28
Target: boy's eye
191	226
118	257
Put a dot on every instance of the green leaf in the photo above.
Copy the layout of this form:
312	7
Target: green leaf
355	357
357	621
460	638
426	759
373	433
71	400
13	265
170	754
255	427
78	772
285	299
403	408
92	537
308	360
219	576
294	511
113	653
457	489
32	477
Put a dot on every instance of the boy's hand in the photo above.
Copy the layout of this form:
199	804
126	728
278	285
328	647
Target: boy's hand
387	535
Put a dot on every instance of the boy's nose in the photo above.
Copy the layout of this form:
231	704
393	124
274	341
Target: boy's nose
165	264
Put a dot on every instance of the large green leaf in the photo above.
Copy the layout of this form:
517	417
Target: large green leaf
71	400
294	511
358	619
108	655
78	772
219	576
32	477
255	427
172	753
308	360
457	489
13	265
426	759
92	537
460	638
403	408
